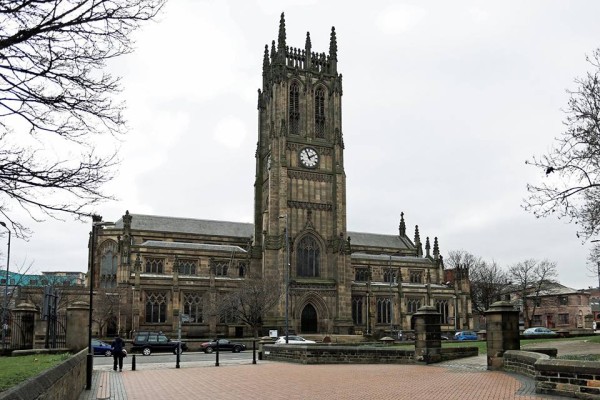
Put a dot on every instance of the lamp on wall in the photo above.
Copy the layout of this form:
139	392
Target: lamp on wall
5	303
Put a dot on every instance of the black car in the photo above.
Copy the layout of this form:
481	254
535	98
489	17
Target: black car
150	342
224	344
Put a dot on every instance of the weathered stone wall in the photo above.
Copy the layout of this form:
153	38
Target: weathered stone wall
578	379
65	381
345	354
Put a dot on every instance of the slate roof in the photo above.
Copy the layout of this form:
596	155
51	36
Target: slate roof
386	257
193	246
155	223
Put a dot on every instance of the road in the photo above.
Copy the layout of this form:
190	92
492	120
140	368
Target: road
102	363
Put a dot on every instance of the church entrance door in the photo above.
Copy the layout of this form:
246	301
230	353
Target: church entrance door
308	323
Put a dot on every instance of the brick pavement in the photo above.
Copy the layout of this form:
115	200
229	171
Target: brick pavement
459	379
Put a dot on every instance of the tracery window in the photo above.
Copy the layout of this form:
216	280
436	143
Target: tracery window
156	307
413	304
361	274
221	268
442	308
294	109
187	267
192	308
390	275
416	276
320	113
155	265
308	257
384	310
242	269
357	310
108	265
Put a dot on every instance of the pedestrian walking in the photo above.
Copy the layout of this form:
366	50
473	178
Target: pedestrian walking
118	347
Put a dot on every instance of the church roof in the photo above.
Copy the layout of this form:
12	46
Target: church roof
386	257
377	240
156	223
193	246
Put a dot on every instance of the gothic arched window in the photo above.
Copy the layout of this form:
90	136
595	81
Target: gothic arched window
320	113
108	265
308	257
294	111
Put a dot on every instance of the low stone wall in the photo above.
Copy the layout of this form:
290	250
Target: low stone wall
522	362
64	381
357	354
579	379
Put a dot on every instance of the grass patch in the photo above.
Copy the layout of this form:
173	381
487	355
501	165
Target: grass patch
580	357
14	370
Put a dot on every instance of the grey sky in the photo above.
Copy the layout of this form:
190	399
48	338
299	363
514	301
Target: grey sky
443	103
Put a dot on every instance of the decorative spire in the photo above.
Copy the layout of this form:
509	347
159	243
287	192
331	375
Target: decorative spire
308	51
333	51
402	227
333	45
418	242
273	53
127	221
436	249
281	39
427	247
266	60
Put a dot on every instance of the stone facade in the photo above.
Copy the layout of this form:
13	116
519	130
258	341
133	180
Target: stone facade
340	282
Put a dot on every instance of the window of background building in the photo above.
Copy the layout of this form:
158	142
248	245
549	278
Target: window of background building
361	274
413	304
563	300
154	265
357	310
192	308
187	267
442	308
384	310
563	319
156	307
536	320
416	276
308	257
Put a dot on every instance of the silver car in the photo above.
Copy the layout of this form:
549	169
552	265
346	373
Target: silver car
294	340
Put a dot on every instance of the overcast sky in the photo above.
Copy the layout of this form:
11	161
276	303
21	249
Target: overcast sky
443	103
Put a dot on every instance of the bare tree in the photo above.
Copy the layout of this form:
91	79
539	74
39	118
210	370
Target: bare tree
593	263
488	280
571	187
529	278
251	302
55	95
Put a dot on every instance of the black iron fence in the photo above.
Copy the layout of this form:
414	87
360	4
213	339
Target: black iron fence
19	332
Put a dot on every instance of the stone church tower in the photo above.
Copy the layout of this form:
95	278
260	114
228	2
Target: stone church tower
301	183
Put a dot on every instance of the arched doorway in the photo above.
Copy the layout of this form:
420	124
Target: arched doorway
308	321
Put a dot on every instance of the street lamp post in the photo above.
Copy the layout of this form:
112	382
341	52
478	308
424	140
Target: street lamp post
287	276
5	303
96	224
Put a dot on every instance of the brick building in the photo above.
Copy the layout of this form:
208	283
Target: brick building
339	281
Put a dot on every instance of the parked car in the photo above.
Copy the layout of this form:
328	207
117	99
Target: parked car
294	340
539	330
150	342
101	348
465	335
224	344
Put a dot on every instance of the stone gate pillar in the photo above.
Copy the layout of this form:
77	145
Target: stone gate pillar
77	326
22	335
502	325
428	341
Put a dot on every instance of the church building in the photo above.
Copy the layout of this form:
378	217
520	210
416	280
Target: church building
167	269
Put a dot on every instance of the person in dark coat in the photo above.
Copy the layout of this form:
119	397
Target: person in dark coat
118	345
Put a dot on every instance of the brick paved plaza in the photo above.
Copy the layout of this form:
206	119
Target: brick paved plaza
464	380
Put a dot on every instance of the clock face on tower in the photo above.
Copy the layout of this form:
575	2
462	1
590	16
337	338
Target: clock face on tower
309	157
